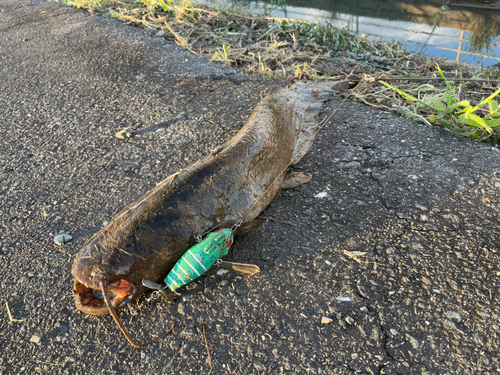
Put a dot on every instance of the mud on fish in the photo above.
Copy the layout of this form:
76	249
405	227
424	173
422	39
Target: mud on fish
146	239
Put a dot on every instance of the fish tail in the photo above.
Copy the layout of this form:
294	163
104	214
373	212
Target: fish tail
310	98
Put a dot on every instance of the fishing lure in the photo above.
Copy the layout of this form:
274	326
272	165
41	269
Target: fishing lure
200	259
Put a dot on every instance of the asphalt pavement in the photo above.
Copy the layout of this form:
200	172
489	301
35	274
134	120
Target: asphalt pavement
388	262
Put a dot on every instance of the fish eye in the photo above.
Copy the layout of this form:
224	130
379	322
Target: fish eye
123	271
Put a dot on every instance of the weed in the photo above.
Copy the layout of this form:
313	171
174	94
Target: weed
480	122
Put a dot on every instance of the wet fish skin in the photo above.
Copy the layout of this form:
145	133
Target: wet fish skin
146	239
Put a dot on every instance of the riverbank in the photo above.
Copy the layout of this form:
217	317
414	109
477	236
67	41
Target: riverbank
293	50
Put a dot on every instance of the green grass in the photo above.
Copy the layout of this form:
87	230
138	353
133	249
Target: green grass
444	108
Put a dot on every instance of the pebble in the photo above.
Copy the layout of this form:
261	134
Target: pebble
413	341
36	339
160	33
62	239
343	299
63	328
454	316
325	320
125	133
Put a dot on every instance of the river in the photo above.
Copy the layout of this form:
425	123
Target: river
460	30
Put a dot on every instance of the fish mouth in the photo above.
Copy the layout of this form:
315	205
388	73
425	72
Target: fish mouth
91	301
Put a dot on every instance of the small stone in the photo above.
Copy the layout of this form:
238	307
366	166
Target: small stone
70	359
413	341
244	27
326	320
160	33
343	299
62	239
454	316
63	328
36	339
125	133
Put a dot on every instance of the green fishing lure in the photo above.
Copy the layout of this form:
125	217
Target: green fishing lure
199	258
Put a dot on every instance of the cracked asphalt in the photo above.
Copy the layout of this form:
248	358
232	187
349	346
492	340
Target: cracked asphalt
394	244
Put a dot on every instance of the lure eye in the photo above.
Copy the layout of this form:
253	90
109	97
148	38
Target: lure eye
123	271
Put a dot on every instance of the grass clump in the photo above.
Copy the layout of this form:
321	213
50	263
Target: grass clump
446	109
296	50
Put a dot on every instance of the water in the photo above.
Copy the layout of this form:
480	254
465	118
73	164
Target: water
461	30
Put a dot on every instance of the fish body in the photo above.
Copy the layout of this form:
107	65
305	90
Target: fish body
147	238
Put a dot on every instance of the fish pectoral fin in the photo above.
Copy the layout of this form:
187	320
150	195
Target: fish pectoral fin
294	179
342	86
248	227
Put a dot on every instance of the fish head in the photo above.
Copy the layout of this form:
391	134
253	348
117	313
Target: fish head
96	266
